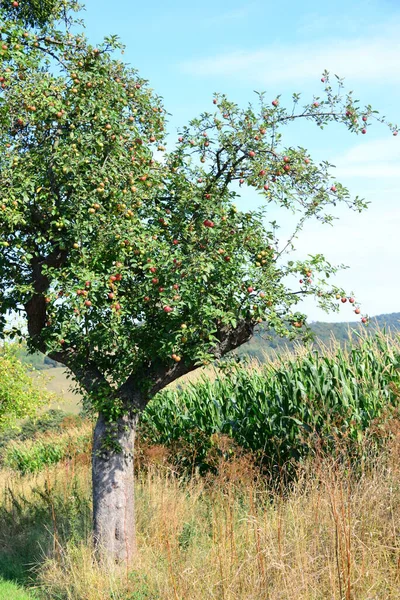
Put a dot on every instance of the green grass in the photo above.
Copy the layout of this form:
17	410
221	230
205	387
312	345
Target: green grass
11	591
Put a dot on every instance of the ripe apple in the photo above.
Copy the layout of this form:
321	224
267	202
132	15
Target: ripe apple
275	102
344	300
208	223
252	154
323	79
307	160
168	309
351	300
364	320
161	289
333	188
364	131
154	281
146	298
395	133
111	295
286	168
364	119
215	101
175	242
241	181
286	159
357	311
88	303
153	269
266	187
250	289
117	307
316	104
118	277
262	173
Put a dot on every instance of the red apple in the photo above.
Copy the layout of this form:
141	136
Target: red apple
88	303
275	102
344	300
154	281
364	131
252	154
153	270
175	242
241	181
215	101
286	159
351	300
208	223
250	289
333	188
266	187
306	160
168	309
364	320
357	311
262	173
111	295
364	119
146	298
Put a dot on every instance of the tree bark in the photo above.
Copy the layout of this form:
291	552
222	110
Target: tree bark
113	489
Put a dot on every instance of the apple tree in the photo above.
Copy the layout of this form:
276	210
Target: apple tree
130	263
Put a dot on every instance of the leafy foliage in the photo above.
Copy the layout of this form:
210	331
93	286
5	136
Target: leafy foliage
20	394
132	264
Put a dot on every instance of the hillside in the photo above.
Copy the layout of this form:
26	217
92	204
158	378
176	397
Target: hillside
264	341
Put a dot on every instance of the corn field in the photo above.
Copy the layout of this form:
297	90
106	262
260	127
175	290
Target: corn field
285	408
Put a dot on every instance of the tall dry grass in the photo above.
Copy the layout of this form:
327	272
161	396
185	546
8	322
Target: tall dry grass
335	534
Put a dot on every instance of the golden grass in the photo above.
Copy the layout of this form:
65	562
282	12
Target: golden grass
333	536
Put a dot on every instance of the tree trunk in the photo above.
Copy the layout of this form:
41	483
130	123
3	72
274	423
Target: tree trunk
113	489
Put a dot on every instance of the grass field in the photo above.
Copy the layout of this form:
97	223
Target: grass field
11	591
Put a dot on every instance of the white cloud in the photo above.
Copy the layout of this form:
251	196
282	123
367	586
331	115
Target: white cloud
371	59
375	159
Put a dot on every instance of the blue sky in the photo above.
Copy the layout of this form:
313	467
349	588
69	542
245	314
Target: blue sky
189	50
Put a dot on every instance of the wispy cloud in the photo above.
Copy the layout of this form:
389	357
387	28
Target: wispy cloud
371	159
372	59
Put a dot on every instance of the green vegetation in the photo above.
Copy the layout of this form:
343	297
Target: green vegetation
284	409
11	591
266	343
20	394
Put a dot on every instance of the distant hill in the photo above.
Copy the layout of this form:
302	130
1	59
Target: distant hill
264	342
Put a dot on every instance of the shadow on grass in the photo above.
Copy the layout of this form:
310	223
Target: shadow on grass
37	526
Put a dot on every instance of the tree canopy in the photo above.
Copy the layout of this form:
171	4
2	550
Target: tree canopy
131	263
